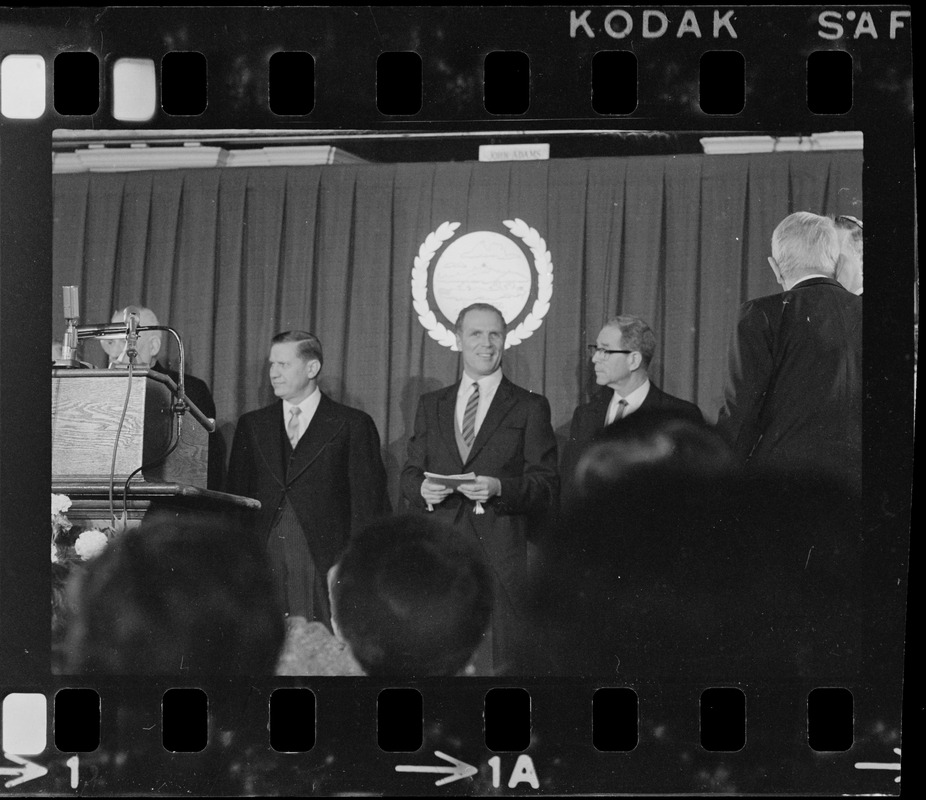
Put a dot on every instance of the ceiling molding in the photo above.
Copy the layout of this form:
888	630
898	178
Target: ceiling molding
141	157
836	140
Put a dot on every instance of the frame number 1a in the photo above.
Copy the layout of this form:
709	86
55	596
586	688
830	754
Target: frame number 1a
523	772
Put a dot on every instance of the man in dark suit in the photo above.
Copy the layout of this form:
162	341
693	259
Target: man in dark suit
793	396
621	356
487	425
316	467
197	391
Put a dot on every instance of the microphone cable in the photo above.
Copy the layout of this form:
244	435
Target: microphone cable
175	440
112	468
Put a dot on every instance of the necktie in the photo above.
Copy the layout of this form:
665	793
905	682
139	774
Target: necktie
619	411
469	416
292	428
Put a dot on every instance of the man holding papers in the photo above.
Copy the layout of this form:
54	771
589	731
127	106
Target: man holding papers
501	434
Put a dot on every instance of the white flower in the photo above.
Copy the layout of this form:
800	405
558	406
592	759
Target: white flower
90	544
59	504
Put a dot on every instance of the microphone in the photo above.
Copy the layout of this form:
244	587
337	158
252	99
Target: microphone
71	302
71	316
112	330
109	329
132	318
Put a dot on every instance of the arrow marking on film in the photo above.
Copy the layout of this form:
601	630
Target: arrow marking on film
27	771
880	765
460	769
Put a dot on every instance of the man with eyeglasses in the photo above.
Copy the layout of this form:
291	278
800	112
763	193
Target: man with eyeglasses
621	357
849	264
793	396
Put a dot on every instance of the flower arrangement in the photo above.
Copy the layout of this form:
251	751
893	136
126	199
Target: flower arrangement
70	544
71	548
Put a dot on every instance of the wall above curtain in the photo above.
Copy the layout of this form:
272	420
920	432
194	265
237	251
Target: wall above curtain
230	257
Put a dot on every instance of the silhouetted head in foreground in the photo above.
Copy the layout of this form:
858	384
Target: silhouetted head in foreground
411	598
177	598
686	574
659	441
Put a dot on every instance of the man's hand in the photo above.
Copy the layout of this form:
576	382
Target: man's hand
483	488
434	493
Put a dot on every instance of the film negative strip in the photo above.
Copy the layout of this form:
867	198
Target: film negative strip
216	176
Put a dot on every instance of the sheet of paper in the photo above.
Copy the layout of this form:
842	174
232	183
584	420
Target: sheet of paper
450	481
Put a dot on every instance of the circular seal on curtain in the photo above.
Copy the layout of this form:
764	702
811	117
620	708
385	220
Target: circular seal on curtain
482	267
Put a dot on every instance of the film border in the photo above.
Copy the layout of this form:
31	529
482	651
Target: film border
882	111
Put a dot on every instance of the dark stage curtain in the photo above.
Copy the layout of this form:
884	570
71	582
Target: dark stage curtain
231	256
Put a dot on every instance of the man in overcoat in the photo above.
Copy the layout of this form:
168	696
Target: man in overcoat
316	468
793	396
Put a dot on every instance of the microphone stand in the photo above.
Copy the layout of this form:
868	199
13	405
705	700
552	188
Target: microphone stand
180	405
69	358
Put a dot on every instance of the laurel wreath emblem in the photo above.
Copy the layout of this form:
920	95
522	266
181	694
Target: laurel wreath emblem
543	263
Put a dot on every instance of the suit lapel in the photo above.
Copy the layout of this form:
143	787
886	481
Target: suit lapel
322	429
446	419
502	403
268	429
652	399
598	410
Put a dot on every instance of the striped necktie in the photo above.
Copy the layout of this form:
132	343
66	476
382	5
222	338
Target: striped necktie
618	411
469	416
292	428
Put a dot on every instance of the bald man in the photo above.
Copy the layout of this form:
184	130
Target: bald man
149	347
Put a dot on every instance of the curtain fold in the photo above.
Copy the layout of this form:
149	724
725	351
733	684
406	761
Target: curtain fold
230	257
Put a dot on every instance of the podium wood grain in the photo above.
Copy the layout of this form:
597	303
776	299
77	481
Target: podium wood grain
86	409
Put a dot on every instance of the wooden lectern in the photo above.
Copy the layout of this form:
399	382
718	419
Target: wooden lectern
87	408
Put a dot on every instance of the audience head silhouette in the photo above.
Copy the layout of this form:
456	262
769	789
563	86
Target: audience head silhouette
671	571
177	598
411	598
649	440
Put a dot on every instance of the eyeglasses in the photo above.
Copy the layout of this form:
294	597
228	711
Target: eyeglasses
594	349
853	220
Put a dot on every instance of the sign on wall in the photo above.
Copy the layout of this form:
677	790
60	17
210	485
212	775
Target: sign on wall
512	271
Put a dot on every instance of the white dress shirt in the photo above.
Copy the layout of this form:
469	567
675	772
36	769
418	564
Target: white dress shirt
810	277
634	401
307	407
488	385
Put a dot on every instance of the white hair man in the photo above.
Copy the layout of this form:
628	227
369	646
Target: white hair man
793	396
148	346
197	391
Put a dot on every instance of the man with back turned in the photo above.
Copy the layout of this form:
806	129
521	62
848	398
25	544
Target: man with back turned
793	396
